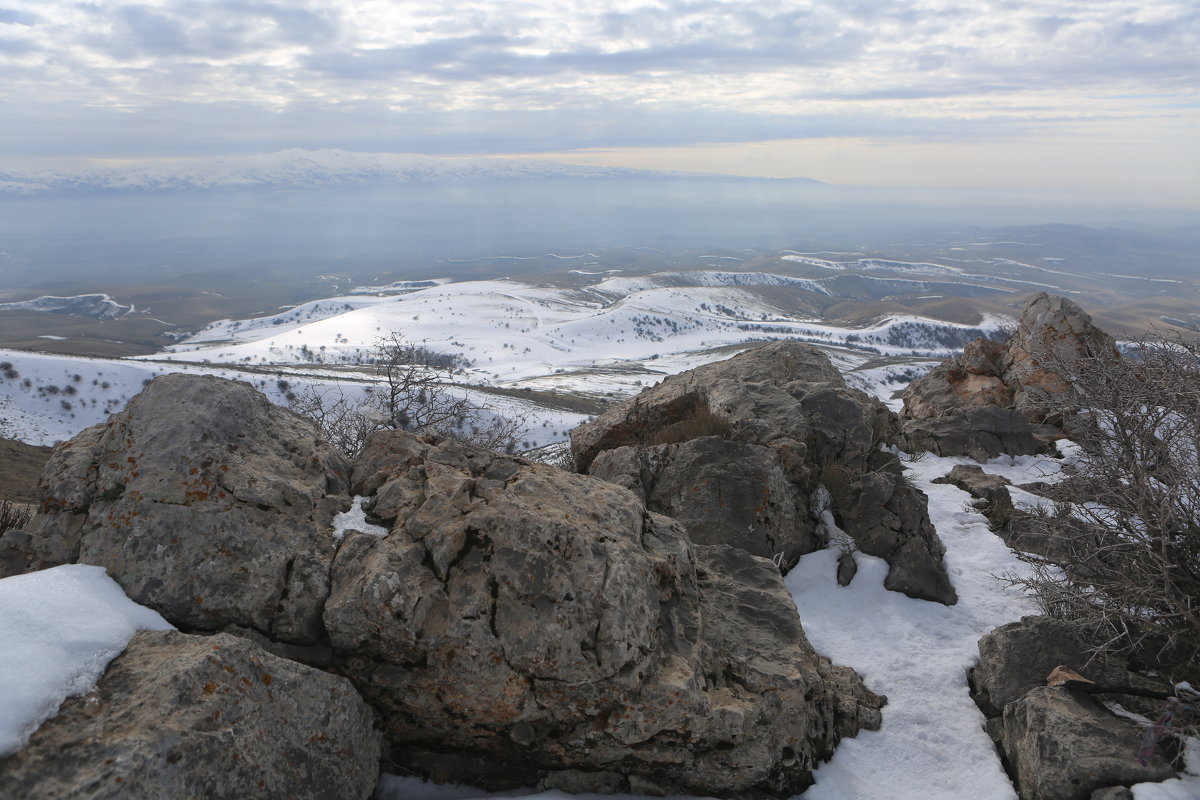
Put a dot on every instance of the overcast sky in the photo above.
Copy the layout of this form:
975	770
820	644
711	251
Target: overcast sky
1081	94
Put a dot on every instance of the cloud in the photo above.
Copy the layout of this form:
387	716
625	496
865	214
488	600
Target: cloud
15	16
524	75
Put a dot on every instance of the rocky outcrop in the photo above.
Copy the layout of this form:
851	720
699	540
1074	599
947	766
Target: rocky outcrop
205	502
517	624
202	716
993	398
521	624
738	450
1018	656
1060	742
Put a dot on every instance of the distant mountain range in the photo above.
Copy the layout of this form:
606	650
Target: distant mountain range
302	168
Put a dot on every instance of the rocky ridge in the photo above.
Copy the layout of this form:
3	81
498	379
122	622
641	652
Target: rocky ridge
517	624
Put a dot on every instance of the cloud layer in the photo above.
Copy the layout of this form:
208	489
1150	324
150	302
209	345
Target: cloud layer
166	77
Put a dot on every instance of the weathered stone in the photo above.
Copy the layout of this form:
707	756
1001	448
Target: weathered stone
992	399
847	568
786	398
1112	793
1017	657
1063	745
748	391
723	492
540	625
888	519
205	502
979	432
992	489
1052	330
17	552
1056	539
201	716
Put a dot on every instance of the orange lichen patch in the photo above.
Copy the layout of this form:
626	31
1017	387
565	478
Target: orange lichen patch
210	688
267	679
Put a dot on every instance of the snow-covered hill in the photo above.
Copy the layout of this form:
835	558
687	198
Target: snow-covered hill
511	333
603	341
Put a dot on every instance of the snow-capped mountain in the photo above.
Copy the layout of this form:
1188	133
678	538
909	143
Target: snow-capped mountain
293	168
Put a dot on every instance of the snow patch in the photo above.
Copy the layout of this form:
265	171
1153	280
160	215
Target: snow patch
60	628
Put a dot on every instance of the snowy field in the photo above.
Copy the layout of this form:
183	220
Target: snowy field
606	341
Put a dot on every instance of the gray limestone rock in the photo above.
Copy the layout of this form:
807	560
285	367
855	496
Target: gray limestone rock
205	502
523	624
991	399
992	489
723	492
1017	657
201	716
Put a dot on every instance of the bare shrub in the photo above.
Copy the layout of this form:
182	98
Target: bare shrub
415	394
1132	582
14	515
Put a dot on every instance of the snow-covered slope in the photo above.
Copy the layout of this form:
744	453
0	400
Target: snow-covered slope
511	333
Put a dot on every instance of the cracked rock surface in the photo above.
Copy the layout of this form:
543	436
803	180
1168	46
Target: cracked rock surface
184	716
522	624
206	502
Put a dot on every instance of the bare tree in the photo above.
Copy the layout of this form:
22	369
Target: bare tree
415	394
1132	578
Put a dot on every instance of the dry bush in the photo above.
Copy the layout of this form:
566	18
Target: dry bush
1132	583
414	394
14	516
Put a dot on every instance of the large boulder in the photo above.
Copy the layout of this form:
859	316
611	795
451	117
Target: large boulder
993	398
522	624
205	502
738	450
1063	745
201	716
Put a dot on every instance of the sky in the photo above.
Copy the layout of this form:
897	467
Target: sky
1084	95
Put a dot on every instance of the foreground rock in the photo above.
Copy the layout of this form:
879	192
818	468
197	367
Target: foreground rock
738	450
205	502
192	716
1062	745
521	624
993	399
1060	742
